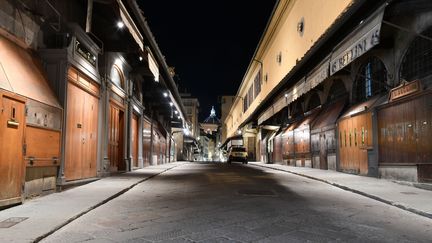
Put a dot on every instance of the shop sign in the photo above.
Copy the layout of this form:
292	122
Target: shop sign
358	48
361	40
153	67
129	23
318	75
405	89
85	53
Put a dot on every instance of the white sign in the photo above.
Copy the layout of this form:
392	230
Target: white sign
127	20
153	67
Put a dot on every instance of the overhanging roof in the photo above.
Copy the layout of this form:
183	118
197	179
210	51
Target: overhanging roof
23	74
326	42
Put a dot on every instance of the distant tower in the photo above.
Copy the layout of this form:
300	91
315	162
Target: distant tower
211	123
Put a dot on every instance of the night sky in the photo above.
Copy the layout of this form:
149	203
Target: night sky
210	43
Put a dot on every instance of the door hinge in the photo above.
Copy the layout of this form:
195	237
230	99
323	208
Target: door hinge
24	149
26	110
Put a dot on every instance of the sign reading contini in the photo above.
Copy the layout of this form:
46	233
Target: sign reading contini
359	42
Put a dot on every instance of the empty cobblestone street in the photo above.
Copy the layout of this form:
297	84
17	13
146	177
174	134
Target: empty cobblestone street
215	202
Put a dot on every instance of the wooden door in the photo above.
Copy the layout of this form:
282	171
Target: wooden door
424	128
251	149
146	142
89	136
134	140
290	149
365	122
81	134
156	149
115	139
342	126
11	156
277	150
323	151
74	118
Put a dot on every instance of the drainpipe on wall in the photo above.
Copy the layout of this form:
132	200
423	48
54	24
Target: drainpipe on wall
151	139
129	128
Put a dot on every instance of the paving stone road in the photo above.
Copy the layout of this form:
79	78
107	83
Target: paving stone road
214	202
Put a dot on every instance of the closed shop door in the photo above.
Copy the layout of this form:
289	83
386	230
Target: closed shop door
343	150
277	150
81	134
11	156
115	139
323	150
134	140
366	125
146	142
405	132
355	135
424	121
156	148
90	136
251	148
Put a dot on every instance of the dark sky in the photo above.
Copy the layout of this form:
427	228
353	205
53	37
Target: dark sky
210	43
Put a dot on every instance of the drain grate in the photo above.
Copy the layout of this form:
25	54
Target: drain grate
7	223
255	192
409	193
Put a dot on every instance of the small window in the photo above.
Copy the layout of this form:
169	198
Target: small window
370	80
279	58
417	62
355	137
345	138
350	138
257	83
116	76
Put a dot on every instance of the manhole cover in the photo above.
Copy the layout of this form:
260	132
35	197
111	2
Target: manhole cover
409	193
254	192
7	223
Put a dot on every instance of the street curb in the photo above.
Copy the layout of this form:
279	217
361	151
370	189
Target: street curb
395	204
70	220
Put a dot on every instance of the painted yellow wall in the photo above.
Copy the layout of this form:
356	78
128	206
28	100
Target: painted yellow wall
282	37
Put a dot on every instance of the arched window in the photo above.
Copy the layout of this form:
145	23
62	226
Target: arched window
117	76
314	101
337	90
296	108
370	80
136	89
417	62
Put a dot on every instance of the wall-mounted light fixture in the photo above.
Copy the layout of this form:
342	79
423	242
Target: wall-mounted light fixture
171	104
140	58
120	25
165	94
279	58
